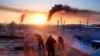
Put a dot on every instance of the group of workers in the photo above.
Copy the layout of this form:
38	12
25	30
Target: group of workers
50	44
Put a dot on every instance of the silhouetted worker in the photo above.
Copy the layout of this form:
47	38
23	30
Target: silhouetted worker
50	45
40	41
60	42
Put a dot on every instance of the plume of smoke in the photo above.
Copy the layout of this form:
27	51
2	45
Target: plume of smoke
15	9
68	9
10	9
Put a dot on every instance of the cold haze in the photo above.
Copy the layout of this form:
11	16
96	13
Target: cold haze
16	7
50	27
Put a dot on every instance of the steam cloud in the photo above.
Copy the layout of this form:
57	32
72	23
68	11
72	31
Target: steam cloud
68	9
10	9
15	9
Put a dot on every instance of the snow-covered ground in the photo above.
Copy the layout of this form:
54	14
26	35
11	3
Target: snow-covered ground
68	36
69	39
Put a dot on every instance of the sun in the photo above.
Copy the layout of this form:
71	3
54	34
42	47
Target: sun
39	19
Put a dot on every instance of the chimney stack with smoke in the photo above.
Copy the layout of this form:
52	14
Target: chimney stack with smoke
68	9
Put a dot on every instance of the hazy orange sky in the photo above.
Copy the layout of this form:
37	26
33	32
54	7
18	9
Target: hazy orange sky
43	6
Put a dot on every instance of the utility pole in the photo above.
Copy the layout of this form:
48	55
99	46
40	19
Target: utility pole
80	25
61	23
61	20
87	23
87	31
57	22
64	22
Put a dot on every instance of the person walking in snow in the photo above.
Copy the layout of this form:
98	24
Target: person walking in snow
40	41
50	45
60	42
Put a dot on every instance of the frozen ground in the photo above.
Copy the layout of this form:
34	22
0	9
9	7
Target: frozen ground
73	46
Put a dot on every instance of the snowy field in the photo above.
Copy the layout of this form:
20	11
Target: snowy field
71	43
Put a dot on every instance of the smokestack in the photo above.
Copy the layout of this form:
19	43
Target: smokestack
68	9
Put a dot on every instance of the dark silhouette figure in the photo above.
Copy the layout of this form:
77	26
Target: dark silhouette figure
60	42
50	45
40	41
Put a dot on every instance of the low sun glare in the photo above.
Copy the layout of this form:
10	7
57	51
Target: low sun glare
39	19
